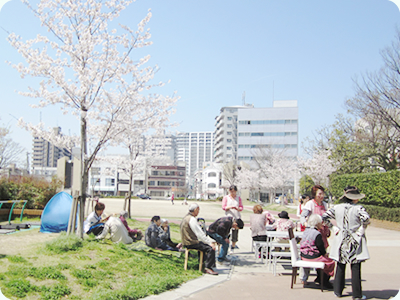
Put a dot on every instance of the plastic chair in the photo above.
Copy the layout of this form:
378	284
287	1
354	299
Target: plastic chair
298	263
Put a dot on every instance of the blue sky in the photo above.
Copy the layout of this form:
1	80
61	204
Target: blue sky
213	51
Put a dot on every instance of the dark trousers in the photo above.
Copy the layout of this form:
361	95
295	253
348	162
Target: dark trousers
260	238
355	279
208	251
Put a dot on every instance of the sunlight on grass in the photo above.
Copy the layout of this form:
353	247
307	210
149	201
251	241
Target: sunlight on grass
68	267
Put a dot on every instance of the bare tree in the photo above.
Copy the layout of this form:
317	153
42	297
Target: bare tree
10	151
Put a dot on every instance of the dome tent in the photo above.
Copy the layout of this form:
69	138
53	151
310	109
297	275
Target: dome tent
55	215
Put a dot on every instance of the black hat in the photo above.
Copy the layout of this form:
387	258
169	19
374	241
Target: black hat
283	215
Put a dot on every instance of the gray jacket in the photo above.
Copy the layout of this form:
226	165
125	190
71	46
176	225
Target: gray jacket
349	243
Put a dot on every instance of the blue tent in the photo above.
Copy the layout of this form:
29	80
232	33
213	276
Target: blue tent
55	215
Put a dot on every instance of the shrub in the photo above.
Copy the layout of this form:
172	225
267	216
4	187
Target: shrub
37	191
381	189
383	213
64	243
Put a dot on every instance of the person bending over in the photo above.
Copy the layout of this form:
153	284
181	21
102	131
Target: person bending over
219	231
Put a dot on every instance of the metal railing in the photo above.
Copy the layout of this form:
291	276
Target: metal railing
12	207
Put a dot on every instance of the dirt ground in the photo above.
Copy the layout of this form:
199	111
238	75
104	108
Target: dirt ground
24	241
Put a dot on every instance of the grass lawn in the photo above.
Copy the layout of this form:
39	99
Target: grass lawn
67	267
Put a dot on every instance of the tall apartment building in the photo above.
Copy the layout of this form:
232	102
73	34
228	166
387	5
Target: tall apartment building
194	148
45	154
226	133
239	130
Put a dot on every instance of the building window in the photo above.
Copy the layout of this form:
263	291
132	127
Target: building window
211	185
95	170
94	181
110	181
212	174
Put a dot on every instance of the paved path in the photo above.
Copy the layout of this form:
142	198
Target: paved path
248	279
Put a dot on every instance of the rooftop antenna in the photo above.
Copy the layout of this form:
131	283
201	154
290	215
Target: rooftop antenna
244	98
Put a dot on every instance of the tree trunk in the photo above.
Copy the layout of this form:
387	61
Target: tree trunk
130	190
84	172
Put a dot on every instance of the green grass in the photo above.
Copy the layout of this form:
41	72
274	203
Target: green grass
67	267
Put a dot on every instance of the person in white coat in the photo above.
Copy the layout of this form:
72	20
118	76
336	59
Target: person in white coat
117	230
349	245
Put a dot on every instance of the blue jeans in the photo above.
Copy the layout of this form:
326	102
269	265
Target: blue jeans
224	245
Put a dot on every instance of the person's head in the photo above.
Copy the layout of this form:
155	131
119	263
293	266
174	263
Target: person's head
194	209
314	221
99	208
233	190
257	209
124	214
318	192
351	194
304	198
238	224
283	215
164	222
156	219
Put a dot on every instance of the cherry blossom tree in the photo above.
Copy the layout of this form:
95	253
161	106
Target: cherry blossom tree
87	68
277	170
248	179
318	167
144	151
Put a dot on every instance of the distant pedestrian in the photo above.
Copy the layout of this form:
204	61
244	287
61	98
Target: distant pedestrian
172	198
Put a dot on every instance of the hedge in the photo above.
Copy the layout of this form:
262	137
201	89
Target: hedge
381	189
383	213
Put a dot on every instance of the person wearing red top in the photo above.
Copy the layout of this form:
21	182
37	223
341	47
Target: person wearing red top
303	200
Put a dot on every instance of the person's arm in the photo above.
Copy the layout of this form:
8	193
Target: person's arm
326	216
240	204
224	202
103	234
270	218
298	211
201	236
319	243
304	215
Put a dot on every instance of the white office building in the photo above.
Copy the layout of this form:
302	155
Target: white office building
226	133
269	128
194	148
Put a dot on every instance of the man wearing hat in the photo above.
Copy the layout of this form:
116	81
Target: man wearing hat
193	237
219	231
349	244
